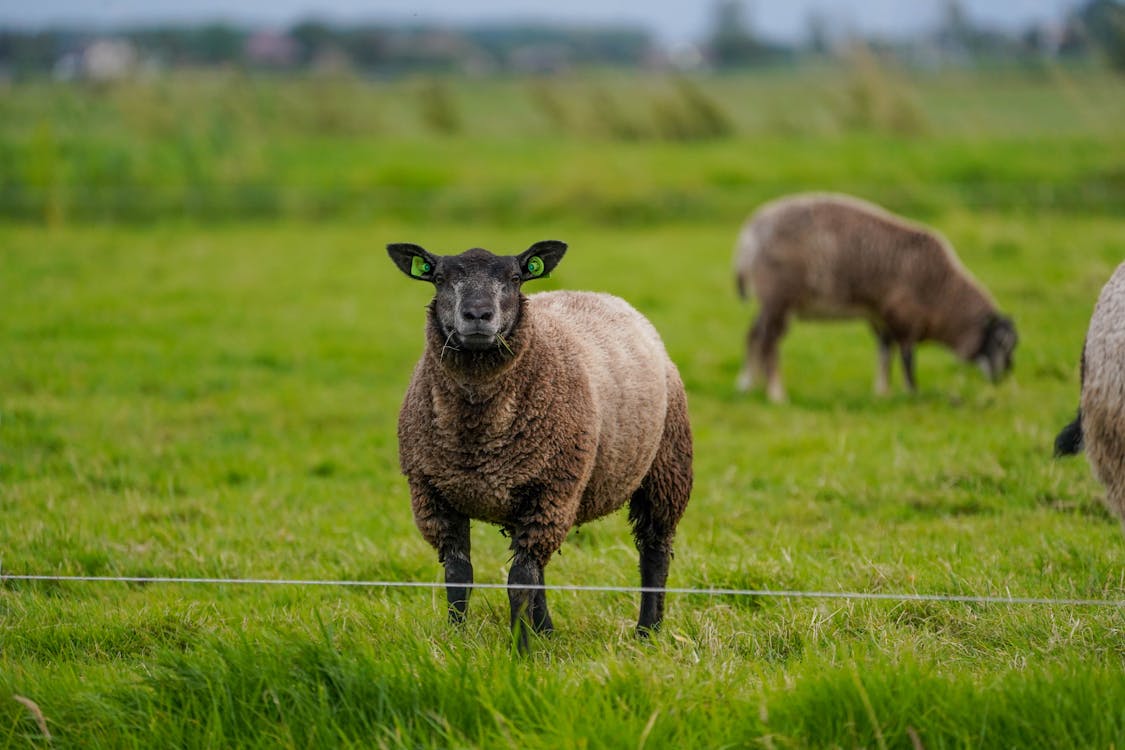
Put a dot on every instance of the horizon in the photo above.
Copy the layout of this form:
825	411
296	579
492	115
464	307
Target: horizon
670	23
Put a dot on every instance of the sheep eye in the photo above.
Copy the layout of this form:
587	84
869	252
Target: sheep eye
515	279
439	281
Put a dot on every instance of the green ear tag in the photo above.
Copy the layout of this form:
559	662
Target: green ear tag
535	266
419	266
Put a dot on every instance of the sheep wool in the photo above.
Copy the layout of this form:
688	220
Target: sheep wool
1103	392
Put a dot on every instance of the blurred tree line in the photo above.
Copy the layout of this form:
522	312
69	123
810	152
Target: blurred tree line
1094	27
377	48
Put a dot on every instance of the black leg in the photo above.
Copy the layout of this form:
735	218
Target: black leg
906	351
458	585
447	530
454	554
654	574
773	324
657	505
883	373
541	617
524	572
536	536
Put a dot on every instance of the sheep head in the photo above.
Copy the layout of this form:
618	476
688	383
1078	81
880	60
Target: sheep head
477	294
998	342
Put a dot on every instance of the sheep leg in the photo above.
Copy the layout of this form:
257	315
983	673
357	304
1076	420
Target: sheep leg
524	601
656	507
540	615
655	561
906	353
458	585
883	373
447	531
544	513
773	324
752	364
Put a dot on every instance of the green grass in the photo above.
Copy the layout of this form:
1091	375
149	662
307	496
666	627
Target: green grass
181	398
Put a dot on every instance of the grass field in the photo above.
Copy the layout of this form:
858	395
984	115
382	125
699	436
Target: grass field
187	396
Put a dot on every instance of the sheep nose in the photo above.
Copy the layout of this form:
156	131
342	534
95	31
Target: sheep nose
477	311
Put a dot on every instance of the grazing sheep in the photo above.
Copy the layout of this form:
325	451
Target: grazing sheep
1099	426
833	256
536	414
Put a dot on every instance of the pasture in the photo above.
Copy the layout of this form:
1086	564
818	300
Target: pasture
200	373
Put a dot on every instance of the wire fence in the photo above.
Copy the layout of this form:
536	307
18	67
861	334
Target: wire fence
713	592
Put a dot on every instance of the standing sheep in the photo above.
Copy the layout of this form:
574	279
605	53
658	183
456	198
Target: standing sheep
833	256
1100	424
536	414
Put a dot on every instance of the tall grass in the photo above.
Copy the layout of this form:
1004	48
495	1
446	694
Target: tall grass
437	108
318	690
231	146
876	100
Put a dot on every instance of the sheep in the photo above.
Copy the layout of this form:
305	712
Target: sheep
538	413
822	255
1099	426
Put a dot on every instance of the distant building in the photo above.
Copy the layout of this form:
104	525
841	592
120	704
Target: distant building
100	60
271	49
540	58
435	48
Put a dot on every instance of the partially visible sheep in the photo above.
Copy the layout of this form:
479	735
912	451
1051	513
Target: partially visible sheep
833	256
1100	424
536	414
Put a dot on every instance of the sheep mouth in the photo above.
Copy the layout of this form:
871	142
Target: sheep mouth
476	342
994	371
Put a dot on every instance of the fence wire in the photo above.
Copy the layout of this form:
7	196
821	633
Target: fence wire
712	592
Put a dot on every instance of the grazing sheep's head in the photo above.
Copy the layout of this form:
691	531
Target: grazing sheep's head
998	341
477	294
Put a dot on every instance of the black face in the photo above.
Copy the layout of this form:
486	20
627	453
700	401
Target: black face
999	341
477	294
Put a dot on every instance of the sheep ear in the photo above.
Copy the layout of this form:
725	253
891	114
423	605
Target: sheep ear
413	260
540	259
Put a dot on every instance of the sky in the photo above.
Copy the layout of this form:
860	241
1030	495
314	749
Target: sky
672	21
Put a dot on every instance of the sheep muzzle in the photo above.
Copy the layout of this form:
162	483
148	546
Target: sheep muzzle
477	341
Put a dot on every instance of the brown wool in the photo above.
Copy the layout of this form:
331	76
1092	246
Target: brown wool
1103	392
581	410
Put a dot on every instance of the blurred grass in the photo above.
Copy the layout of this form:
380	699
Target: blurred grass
604	148
201	381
